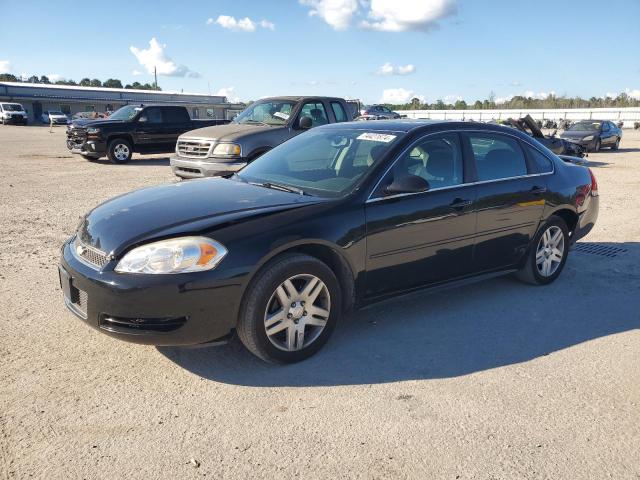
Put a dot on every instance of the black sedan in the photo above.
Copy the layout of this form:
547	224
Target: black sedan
334	219
594	134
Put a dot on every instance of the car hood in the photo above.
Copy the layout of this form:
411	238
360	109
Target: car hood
94	122
229	132
179	209
577	133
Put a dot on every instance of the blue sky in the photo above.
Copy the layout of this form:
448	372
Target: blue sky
369	49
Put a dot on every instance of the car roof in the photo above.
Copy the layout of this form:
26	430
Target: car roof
298	98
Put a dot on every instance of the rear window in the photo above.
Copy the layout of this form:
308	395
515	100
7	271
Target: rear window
497	156
541	162
175	115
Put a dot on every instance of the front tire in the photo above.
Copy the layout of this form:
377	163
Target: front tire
290	309
119	151
616	145
548	253
596	146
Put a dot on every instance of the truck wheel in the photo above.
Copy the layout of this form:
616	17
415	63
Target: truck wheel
119	151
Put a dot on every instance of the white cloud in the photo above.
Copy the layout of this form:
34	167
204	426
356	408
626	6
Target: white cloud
154	56
337	13
398	95
403	15
382	15
230	93
389	69
54	77
5	66
452	98
538	95
136	73
241	24
500	100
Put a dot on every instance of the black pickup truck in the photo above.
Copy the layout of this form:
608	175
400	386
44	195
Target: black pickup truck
140	129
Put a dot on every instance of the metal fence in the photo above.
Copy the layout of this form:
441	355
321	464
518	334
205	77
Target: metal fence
626	115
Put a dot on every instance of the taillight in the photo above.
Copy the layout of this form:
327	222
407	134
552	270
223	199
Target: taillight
594	184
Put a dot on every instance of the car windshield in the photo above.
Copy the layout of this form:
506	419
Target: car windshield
125	113
321	162
269	112
55	113
12	107
585	127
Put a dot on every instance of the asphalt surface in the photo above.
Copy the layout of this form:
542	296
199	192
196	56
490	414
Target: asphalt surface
497	380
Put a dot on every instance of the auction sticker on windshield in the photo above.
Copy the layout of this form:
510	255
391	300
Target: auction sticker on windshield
281	115
376	137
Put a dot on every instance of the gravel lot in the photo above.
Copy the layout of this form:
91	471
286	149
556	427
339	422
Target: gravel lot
497	380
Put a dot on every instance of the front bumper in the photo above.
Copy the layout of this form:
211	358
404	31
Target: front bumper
18	120
88	148
207	167
183	309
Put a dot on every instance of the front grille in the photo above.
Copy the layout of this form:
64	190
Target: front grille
90	255
194	148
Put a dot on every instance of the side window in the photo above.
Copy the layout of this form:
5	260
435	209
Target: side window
315	111
605	127
153	114
436	158
175	115
497	156
541	162
338	112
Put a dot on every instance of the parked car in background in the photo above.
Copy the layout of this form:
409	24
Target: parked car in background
13	113
380	112
54	116
337	218
223	150
594	134
140	128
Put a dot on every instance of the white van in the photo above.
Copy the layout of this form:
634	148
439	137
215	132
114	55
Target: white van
13	113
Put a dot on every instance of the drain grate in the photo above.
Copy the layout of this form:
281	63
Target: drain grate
599	249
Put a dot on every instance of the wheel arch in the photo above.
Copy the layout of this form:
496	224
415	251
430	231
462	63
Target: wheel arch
256	152
324	251
124	136
569	216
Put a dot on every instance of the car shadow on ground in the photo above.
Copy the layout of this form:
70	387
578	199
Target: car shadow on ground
452	333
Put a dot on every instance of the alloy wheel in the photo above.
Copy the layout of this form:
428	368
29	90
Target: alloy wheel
297	312
550	251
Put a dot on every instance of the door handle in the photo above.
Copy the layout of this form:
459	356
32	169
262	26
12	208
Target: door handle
460	203
538	190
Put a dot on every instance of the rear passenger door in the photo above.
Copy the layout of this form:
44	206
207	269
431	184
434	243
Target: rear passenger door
510	199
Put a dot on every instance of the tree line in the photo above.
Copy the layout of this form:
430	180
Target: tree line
85	82
522	102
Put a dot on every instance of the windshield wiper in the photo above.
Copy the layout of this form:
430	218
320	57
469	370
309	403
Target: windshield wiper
278	186
256	121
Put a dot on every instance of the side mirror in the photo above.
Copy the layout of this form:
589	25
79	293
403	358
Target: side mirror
407	184
142	119
305	123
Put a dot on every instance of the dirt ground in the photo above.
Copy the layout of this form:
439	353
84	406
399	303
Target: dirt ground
496	380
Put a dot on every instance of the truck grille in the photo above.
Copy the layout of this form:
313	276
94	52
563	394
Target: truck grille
79	299
194	148
90	255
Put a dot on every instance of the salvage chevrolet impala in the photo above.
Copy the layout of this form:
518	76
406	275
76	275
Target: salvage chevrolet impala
334	219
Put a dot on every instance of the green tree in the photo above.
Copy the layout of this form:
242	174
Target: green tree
96	83
85	82
112	83
8	77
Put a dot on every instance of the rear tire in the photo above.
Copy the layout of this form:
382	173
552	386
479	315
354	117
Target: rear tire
547	255
292	293
119	151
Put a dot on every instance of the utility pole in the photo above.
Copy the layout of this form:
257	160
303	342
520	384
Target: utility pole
155	76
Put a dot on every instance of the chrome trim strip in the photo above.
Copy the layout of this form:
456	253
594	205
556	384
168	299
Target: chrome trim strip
480	182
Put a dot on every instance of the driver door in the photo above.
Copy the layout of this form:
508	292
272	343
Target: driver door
421	238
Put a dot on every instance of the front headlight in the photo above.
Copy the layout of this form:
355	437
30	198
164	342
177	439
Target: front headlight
93	130
227	149
178	255
587	139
